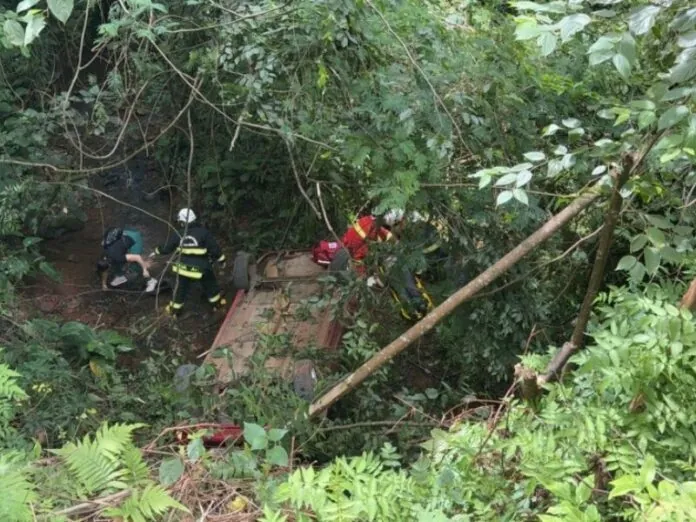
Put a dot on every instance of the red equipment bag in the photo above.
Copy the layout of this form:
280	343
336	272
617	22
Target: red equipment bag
324	252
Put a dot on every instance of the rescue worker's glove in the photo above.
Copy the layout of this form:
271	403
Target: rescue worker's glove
374	281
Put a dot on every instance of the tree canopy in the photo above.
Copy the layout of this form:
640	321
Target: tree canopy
560	389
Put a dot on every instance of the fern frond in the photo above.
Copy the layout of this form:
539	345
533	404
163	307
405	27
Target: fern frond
97	463
9	389
94	470
136	467
17	492
112	440
145	505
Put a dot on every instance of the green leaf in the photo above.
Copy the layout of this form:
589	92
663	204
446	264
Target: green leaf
656	236
626	263
652	260
61	9
535	156
523	178
503	197
571	123
603	142
659	221
195	449
684	66
672	116
170	471
573	24
275	434
684	21
521	196
637	273
547	42
677	93
669	142
26	4
601	57
648	470
255	436
604	43
642	105
687	40
551	130
278	456
507	179
670	155
35	25
638	242
623	485
642	20
51	272
646	118
601	169
627	47
549	7
623	66
527	30
14	32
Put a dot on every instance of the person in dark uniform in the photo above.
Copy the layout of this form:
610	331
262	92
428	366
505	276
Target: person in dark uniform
196	248
121	250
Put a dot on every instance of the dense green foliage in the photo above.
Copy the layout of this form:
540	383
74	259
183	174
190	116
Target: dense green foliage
276	119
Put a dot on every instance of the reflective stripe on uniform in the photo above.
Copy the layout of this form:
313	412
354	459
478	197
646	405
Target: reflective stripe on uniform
186	272
363	235
214	299
192	251
432	248
359	230
221	259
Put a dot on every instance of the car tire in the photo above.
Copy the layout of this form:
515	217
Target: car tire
340	262
240	272
305	379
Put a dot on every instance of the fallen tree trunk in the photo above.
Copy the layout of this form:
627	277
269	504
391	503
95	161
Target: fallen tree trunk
562	356
467	292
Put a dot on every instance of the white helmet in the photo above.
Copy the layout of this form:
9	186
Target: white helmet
393	216
186	215
416	217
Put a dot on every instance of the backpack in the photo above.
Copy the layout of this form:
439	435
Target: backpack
111	236
324	252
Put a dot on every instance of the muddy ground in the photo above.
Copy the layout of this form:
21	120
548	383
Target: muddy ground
78	296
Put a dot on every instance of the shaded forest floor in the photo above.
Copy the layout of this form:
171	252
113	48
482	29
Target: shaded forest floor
78	296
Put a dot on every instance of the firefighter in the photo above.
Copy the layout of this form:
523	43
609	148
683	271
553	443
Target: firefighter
196	248
121	248
366	229
425	237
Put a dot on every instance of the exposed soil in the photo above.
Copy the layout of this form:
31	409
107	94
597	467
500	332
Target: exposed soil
78	296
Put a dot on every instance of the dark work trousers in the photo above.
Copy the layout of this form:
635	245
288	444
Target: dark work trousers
211	289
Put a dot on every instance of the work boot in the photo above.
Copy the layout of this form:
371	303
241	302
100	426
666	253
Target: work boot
118	281
171	311
220	306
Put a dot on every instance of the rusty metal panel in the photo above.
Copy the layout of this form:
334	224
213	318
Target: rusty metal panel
273	310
